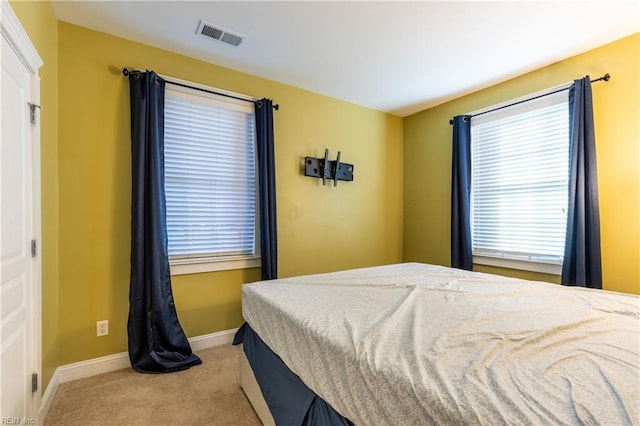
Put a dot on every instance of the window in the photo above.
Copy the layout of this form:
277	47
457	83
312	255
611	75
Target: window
519	190
210	181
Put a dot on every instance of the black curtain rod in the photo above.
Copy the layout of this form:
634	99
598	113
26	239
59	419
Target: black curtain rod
126	72
605	77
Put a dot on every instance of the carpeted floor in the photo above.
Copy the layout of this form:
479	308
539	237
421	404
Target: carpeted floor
207	394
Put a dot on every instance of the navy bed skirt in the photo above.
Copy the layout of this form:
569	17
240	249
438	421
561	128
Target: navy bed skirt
290	401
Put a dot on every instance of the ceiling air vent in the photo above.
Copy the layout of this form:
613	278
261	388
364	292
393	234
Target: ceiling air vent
220	34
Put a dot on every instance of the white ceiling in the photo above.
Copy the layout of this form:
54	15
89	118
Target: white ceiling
392	56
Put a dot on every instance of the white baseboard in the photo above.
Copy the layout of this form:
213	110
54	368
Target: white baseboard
106	364
210	340
47	397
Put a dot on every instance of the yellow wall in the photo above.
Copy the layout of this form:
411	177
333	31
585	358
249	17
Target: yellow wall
320	228
427	161
38	20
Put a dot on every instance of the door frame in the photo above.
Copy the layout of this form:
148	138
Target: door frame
11	29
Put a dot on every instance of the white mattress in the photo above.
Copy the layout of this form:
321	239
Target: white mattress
415	344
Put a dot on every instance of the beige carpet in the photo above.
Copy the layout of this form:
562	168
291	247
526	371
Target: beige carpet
207	394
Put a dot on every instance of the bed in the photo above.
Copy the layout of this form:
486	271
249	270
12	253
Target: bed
412	343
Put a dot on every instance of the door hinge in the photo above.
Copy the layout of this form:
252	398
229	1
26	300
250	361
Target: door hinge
33	107
34	382
34	248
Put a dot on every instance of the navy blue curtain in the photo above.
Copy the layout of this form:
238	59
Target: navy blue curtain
267	189
461	194
157	343
582	264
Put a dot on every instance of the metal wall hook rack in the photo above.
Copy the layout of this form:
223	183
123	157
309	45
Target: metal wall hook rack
328	169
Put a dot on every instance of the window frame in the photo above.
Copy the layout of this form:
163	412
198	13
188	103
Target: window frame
518	262
185	264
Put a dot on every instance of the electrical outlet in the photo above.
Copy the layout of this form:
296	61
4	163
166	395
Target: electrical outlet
102	328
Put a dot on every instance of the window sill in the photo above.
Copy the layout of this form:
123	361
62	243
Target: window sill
524	265
183	267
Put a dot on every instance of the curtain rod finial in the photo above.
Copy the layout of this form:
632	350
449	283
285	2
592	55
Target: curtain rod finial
606	77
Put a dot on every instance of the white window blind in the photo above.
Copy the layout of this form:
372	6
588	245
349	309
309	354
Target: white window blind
519	181
210	177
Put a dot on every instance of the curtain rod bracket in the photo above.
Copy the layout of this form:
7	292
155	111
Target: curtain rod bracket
126	72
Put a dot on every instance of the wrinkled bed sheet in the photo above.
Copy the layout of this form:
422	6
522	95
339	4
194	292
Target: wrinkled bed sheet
412	344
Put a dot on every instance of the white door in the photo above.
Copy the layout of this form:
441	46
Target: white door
16	230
